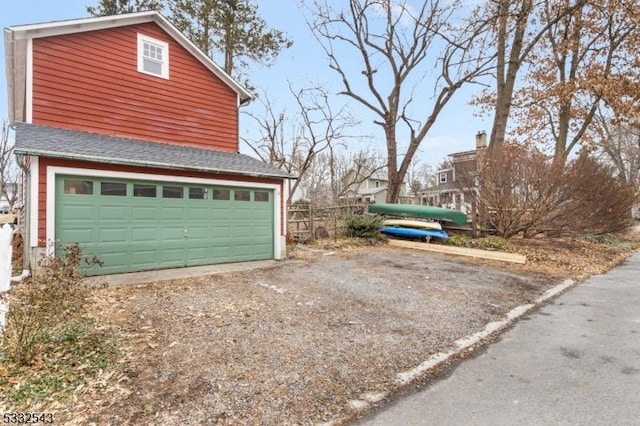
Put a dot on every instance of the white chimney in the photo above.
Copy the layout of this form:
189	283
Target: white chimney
481	139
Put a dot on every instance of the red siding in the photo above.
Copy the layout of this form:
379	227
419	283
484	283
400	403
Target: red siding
45	162
90	81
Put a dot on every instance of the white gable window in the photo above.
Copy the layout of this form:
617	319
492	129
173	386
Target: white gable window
443	177
153	56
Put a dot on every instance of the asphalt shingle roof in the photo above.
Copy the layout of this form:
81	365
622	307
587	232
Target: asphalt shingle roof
47	141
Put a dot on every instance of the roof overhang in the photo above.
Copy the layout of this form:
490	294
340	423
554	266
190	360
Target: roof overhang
16	41
50	142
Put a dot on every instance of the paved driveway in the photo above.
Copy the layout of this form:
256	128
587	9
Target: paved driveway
574	362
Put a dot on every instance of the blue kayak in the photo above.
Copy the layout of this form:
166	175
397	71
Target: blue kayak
399	231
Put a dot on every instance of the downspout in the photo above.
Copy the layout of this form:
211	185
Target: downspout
26	212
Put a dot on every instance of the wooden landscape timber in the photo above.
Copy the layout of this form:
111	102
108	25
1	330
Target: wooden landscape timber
461	251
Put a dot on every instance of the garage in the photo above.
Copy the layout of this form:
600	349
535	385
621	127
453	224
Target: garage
136	225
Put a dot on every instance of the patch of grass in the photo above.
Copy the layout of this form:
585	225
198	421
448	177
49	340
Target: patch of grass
460	240
493	243
486	243
615	240
67	361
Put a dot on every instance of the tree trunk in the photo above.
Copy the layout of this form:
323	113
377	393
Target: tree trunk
393	190
560	153
507	71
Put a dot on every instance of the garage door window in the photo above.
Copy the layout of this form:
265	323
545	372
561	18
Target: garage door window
113	188
172	192
140	190
79	187
221	194
197	193
242	195
261	196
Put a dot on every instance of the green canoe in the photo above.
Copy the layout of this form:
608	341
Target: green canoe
410	210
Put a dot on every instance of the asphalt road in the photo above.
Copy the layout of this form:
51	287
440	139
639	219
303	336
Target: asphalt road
575	361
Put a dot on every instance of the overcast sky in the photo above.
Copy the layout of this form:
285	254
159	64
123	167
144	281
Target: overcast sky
303	63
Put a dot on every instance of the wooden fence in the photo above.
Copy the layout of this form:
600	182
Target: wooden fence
308	222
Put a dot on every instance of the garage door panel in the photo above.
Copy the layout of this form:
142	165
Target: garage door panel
200	244
80	236
243	250
115	247
222	213
172	213
144	234
224	244
113	213
262	208
243	214
198	213
107	235
243	232
221	231
262	234
223	254
198	256
131	233
243	241
261	231
198	232
144	257
144	213
119	258
172	256
75	212
262	246
172	233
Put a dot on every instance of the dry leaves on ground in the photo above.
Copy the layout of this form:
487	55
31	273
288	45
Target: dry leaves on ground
300	342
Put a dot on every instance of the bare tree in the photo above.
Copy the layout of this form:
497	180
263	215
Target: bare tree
353	169
420	176
620	148
293	142
396	45
317	181
8	168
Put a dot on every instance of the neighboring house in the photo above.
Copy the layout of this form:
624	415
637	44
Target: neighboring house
368	187
454	183
129	137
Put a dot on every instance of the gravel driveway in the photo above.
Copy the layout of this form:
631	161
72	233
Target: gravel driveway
295	343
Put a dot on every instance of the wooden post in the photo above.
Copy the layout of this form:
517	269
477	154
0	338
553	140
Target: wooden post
312	233
6	248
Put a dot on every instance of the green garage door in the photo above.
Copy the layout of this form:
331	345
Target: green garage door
140	225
